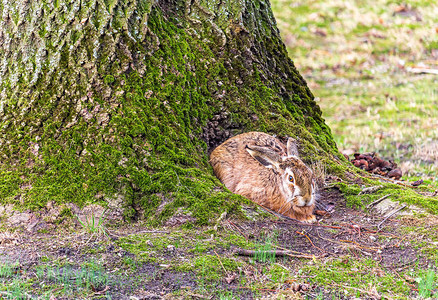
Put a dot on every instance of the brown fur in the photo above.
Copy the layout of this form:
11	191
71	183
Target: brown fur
242	174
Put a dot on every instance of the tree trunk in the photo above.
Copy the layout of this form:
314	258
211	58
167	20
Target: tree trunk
107	100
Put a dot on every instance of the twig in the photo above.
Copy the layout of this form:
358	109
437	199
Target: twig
360	290
370	189
406	281
349	244
359	245
390	215
139	232
329	186
378	201
245	252
309	240
220	262
285	249
199	296
422	70
244	235
399	242
251	288
296	222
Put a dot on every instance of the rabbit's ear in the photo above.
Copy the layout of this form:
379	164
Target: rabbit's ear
292	149
267	157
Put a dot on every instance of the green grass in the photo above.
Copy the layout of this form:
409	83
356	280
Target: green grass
46	280
265	250
94	224
354	56
427	283
8	269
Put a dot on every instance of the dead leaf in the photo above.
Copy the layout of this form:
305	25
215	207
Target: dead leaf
409	279
377	271
97	292
295	287
289	281
230	278
320	32
417	183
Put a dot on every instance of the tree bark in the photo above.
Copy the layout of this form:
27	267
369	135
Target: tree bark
111	99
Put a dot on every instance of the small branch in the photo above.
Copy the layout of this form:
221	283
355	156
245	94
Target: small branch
349	244
199	296
310	240
390	215
370	189
369	293
422	70
289	250
414	288
296	222
134	233
220	262
235	226
245	252
378	201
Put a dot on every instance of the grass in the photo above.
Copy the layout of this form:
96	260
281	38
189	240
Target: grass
265	250
205	262
355	56
8	269
51	280
94	225
427	283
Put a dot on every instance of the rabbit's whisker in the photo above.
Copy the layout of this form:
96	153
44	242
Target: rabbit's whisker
280	210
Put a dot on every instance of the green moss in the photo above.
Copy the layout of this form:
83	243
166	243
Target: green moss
356	273
278	274
141	131
109	79
398	193
209	267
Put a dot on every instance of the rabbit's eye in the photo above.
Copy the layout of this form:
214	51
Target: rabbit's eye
291	178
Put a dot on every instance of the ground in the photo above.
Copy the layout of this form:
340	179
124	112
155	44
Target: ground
342	256
360	60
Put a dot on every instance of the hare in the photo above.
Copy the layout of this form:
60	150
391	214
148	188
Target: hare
259	167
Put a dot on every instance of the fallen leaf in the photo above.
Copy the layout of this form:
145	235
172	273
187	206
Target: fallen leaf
230	278
417	183
295	287
97	292
409	279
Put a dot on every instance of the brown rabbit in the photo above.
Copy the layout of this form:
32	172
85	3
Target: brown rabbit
261	168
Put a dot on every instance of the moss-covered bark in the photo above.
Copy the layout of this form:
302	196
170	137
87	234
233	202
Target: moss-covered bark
106	99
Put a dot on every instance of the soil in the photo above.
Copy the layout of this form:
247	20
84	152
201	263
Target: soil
346	232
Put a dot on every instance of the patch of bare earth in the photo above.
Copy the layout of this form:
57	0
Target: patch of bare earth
345	233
